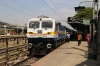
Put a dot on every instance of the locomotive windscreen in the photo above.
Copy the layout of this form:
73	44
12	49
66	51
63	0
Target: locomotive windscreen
34	24
47	24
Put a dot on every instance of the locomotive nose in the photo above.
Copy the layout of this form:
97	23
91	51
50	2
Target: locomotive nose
49	45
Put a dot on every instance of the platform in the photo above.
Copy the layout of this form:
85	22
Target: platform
69	54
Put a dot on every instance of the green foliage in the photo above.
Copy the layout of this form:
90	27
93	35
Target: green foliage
87	13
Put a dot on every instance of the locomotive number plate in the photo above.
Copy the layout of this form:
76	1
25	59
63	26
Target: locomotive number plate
35	34
39	34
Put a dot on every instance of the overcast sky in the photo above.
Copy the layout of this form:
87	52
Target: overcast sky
20	11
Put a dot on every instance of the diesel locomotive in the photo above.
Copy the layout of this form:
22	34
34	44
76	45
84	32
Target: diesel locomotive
44	33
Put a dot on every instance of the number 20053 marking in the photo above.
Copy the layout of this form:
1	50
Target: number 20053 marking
38	35
35	35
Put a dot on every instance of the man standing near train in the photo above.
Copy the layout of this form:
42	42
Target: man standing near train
68	37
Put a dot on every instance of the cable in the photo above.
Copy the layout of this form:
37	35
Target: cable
56	7
10	14
9	18
51	8
62	20
15	9
5	21
25	7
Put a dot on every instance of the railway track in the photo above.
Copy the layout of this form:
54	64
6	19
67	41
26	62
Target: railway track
26	61
20	61
3	50
13	53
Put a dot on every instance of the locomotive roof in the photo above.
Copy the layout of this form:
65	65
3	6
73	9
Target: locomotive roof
39	19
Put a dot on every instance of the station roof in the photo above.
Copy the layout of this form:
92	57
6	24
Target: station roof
68	26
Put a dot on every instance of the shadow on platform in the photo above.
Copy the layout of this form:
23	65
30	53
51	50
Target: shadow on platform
78	49
91	58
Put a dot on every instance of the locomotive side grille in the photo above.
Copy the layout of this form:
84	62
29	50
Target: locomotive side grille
39	31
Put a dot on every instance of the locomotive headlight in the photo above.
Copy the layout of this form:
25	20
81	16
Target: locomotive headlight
30	45
49	45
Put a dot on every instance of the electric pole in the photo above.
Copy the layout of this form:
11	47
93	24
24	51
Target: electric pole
95	35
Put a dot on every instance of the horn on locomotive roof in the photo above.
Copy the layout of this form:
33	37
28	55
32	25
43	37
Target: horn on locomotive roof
42	16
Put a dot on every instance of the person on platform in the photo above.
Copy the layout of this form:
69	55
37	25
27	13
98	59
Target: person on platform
79	38
68	37
88	38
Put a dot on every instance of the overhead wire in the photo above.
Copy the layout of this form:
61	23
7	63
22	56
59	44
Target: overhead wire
5	17
51	9
25	7
9	18
7	13
15	9
5	20
10	14
56	7
58	10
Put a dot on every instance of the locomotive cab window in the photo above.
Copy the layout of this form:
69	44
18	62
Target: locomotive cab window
47	24
34	24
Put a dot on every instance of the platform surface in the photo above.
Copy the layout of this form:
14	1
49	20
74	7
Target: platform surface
69	54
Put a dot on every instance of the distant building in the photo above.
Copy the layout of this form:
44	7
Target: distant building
6	28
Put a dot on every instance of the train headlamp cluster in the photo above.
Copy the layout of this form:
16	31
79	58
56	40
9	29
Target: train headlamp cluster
30	45
29	32
49	45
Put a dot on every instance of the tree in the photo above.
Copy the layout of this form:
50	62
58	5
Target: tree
87	13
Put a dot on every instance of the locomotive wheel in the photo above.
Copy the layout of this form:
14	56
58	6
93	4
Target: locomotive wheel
60	42
55	44
30	52
47	51
37	50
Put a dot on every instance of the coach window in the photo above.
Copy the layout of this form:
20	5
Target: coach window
47	24
34	24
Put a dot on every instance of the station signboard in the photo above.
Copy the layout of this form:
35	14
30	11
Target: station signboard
74	20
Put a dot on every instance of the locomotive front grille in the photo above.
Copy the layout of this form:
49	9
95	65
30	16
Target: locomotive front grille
39	31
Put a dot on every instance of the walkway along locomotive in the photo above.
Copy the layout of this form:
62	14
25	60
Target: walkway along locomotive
43	34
